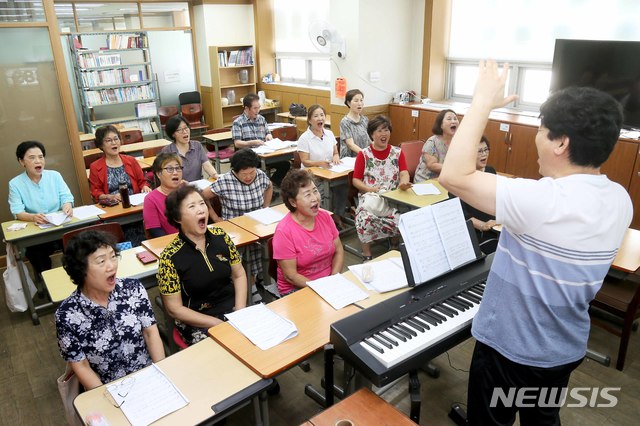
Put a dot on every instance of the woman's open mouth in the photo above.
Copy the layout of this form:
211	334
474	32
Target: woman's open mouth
202	223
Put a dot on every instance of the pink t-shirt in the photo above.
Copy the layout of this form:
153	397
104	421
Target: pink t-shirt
153	212
313	250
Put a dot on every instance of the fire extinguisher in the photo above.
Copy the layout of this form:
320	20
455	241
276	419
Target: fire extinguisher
341	87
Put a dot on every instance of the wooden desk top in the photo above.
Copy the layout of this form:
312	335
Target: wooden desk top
628	258
86	137
327	174
217	137
279	152
32	230
257	228
60	286
205	373
375	297
239	236
303	118
410	198
111	212
311	315
132	147
361	408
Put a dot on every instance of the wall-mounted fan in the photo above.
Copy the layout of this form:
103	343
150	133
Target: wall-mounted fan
327	39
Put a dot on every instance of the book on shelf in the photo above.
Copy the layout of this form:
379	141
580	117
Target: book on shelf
120	41
222	58
146	109
233	57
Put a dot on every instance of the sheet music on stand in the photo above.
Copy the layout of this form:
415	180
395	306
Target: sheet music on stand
146	396
436	240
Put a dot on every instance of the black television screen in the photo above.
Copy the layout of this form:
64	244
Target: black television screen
611	66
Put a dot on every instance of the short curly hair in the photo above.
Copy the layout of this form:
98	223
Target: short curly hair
25	146
590	118
291	184
244	158
175	199
437	125
101	133
379	121
75	259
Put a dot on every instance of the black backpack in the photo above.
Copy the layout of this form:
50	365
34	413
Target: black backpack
297	110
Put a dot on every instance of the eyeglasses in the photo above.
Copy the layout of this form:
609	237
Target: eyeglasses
483	151
173	169
182	130
113	140
117	393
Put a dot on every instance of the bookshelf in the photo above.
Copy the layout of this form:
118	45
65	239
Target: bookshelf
233	76
116	84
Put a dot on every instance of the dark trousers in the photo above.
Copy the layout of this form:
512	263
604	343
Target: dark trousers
490	370
282	167
38	255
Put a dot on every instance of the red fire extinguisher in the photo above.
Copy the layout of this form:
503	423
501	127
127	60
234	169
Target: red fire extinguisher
341	87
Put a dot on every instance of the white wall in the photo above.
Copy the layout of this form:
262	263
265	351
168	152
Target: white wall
381	36
221	25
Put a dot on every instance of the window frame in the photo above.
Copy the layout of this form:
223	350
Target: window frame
517	72
308	58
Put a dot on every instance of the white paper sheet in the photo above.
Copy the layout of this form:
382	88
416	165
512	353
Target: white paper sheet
456	241
388	275
137	199
201	184
341	167
86	212
55	219
425	189
276	144
263	327
147	396
337	291
263	150
266	216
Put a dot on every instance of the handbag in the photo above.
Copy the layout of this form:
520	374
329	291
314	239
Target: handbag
69	388
297	110
14	294
375	204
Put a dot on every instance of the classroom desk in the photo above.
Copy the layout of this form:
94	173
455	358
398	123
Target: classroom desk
33	235
121	215
328	180
311	315
59	284
219	141
214	382
406	201
361	408
240	237
133	149
285	154
628	258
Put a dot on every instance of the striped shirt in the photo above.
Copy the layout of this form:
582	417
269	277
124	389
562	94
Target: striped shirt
245	129
559	238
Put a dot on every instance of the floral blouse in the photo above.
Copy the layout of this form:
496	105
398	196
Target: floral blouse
109	338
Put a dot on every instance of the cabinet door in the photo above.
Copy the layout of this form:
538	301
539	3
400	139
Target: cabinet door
425	127
522	159
619	166
405	125
498	146
634	190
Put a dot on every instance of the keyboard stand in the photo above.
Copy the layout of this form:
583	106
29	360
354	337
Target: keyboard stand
414	394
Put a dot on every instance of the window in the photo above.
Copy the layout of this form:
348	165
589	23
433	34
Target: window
21	11
297	58
527	44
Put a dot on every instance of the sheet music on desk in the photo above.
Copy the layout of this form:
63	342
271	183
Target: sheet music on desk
337	291
263	327
266	216
147	396
436	238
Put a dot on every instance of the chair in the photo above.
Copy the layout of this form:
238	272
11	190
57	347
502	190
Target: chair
88	159
131	136
289	133
412	151
112	228
297	162
189	98
619	298
216	205
191	110
224	154
166	112
151	152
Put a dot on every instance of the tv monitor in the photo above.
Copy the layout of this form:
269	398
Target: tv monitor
611	66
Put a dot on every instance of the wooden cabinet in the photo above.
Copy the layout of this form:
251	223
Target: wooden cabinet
410	124
634	183
619	166
233	76
513	148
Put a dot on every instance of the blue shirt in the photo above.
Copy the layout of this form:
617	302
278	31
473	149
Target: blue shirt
46	196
